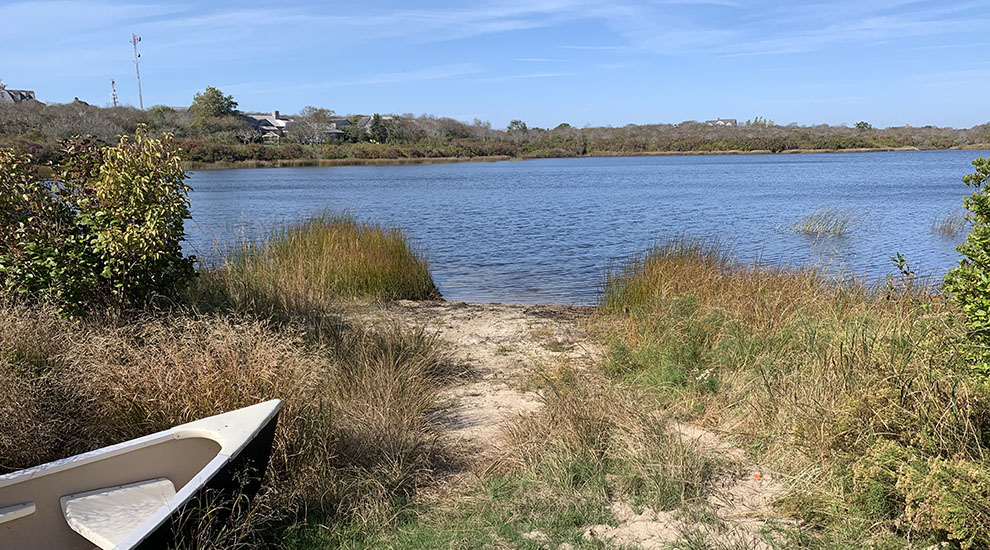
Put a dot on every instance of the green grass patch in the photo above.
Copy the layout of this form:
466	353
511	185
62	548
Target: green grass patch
502	511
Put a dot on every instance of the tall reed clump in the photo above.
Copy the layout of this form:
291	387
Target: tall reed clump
949	225
856	392
354	443
829	222
325	259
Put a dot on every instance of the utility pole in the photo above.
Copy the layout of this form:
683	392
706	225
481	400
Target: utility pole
137	69
113	95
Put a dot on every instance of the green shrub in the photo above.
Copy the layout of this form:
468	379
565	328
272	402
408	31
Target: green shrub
105	231
949	498
875	477
931	498
970	282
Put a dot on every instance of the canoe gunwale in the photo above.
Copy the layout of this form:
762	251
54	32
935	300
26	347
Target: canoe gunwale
75	461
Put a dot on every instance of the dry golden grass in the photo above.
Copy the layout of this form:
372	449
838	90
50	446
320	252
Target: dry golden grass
810	374
354	440
595	434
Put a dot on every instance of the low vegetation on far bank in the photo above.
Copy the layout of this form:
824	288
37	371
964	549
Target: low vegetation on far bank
212	131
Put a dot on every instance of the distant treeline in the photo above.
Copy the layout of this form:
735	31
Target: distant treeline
211	133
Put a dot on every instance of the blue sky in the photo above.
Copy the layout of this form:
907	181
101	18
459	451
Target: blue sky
889	62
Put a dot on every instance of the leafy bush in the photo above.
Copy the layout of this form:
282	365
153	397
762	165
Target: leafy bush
934	497
106	230
970	282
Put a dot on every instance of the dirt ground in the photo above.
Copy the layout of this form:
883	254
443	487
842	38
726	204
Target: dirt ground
505	348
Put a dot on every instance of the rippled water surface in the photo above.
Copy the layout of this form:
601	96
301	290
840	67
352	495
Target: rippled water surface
544	231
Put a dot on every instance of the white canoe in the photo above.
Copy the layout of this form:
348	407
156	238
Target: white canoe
126	496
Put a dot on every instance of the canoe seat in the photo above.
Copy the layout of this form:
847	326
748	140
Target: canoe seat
106	516
17	511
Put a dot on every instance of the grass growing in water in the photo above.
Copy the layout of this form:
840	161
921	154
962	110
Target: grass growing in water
830	222
322	260
949	225
854	392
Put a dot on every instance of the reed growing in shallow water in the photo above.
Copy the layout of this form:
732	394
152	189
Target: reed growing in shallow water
949	225
829	222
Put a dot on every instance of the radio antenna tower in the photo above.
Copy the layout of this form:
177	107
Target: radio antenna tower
113	95
137	69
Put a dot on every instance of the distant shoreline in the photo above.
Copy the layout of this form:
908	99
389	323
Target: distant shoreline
310	163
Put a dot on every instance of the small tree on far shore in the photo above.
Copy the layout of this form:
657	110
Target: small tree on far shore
212	103
377	129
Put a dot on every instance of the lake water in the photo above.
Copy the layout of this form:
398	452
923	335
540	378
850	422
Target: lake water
544	231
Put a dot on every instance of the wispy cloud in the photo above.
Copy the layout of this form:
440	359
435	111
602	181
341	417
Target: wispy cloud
616	66
524	76
442	72
596	48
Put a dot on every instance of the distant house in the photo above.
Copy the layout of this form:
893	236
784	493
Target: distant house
310	131
16	96
722	122
364	122
271	126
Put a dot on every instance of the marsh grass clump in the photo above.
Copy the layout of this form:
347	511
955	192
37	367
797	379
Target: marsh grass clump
812	376
949	225
829	222
326	259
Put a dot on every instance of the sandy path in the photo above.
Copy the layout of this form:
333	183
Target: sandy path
502	347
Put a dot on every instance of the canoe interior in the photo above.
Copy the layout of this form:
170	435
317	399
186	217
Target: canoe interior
175	459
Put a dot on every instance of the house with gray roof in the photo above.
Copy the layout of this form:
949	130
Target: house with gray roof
722	122
365	122
16	96
271	125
